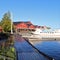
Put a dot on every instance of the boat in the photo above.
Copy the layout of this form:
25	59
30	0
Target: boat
46	33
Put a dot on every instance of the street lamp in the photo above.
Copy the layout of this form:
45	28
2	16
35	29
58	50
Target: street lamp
11	24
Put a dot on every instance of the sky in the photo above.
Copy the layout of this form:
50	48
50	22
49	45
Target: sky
39	12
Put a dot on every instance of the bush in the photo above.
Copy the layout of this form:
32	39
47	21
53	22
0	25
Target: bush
4	35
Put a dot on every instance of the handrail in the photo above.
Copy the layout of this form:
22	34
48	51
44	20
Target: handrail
48	57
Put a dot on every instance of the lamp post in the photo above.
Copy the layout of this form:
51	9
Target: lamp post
11	27
11	24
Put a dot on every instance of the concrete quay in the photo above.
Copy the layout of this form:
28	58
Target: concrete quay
34	39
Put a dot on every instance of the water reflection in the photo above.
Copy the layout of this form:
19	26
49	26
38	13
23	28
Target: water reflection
51	48
58	41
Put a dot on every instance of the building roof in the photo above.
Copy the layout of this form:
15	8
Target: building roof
27	22
22	24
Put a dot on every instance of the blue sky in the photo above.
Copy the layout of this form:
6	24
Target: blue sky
39	12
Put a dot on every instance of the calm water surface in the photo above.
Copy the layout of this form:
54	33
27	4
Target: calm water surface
51	48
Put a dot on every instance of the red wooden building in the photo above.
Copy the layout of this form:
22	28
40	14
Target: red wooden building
24	26
1	29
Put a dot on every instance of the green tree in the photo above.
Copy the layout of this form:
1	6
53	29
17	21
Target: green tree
48	28
6	22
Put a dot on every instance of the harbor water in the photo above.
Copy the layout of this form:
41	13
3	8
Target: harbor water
51	48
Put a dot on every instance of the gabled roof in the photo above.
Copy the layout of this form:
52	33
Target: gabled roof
22	24
15	23
27	22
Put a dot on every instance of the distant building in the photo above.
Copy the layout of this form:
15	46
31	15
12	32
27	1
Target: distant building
26	26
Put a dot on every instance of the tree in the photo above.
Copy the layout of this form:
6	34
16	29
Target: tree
48	28
6	22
